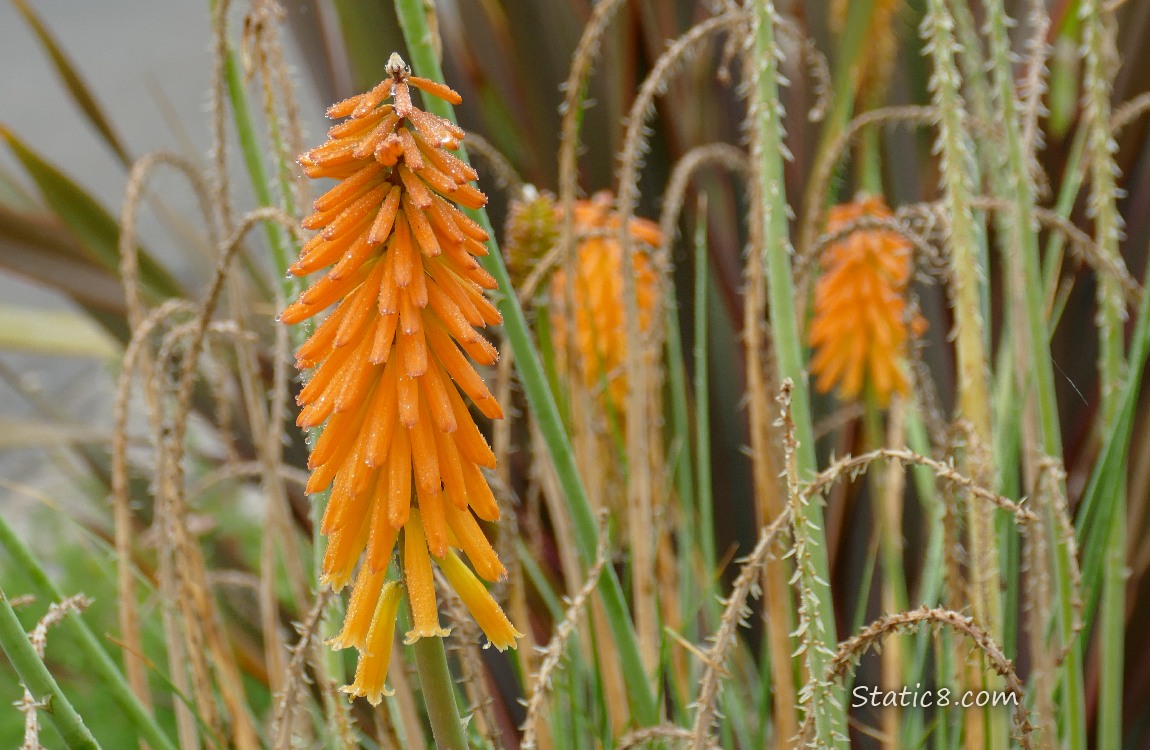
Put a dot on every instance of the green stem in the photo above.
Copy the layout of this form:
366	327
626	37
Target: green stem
933	563
439	694
1015	183
1100	61
681	456
767	160
39	681
98	662
703	496
1113	632
967	285
540	399
252	152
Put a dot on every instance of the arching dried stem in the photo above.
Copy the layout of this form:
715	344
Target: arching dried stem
730	158
820	177
640	408
850	467
852	650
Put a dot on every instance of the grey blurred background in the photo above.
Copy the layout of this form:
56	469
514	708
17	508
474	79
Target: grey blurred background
149	65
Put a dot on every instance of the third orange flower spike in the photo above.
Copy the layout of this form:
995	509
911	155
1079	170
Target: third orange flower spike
859	331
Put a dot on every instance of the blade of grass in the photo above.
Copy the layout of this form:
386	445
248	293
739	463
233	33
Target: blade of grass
930	582
13	194
40	682
704	499
771	230
74	82
53	332
969	299
1017	184
1100	62
540	398
1110	468
90	221
77	631
680	453
47	254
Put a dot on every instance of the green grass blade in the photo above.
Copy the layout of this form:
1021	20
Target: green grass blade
40	682
767	162
90	221
704	495
77	631
53	332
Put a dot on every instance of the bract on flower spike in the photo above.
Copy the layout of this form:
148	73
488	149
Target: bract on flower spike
399	448
859	331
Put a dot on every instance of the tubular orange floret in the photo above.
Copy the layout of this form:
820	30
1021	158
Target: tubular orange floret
375	654
399	447
859	329
435	89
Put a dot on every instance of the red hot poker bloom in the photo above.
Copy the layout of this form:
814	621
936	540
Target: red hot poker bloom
399	448
599	344
859	330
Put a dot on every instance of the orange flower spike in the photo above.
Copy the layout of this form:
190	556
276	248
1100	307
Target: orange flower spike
420	226
399	477
385	219
412	156
858	331
343	550
451	468
381	542
599	344
381	425
424	457
434	388
479	493
431	514
399	446
359	125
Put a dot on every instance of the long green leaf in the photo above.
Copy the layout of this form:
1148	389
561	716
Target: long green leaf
89	220
74	82
75	630
810	540
40	682
53	332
